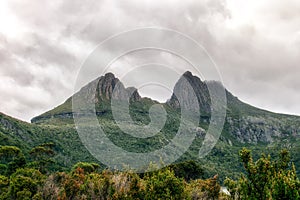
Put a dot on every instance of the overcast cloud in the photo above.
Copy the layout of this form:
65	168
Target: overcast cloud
256	45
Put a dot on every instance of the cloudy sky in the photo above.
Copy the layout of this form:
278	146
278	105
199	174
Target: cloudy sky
43	44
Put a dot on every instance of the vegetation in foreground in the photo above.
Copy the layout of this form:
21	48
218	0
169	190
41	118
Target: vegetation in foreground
31	178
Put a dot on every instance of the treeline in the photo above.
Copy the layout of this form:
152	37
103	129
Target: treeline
32	178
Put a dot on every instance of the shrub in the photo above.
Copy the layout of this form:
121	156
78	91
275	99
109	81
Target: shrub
189	170
266	179
128	185
24	183
12	158
204	189
87	167
163	184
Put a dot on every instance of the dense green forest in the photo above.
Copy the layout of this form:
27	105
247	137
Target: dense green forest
33	177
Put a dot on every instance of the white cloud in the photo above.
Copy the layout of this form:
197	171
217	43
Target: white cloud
44	43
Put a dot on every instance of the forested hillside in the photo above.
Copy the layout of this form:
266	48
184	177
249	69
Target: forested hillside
46	159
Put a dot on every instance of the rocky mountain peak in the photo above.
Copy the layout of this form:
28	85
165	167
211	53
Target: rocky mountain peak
200	90
108	83
245	123
188	74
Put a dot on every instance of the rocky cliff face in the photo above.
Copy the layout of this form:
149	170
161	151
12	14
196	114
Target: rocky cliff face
100	91
108	83
103	89
182	92
265	129
245	123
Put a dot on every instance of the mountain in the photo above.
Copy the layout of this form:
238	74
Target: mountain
245	125
68	146
103	86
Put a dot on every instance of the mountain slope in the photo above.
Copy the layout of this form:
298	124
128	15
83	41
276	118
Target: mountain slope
245	125
68	147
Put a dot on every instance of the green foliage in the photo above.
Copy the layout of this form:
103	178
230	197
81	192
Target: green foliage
204	189
69	150
98	186
51	189
266	179
24	183
41	157
87	167
12	158
127	185
163	184
4	185
189	170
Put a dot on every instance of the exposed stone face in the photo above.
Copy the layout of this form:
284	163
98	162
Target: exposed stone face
200	89
246	124
254	129
99	90
109	86
8	125
135	96
5	123
246	129
106	87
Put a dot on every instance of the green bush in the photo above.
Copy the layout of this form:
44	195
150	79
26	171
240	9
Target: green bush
11	158
24	183
87	167
189	170
41	157
203	189
265	179
163	184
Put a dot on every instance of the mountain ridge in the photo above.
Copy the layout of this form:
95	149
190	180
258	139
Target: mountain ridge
245	125
265	125
108	81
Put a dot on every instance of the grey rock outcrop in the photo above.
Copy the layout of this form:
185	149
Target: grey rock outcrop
182	91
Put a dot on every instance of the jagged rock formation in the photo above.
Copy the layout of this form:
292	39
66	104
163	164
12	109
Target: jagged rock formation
102	89
200	90
106	86
244	122
245	125
99	91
